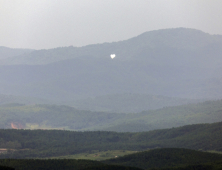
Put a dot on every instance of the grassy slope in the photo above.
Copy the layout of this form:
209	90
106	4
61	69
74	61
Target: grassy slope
97	155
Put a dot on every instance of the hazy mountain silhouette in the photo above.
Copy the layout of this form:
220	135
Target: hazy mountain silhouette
173	62
6	52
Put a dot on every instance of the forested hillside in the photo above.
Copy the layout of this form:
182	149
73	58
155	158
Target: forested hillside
51	143
31	164
170	158
206	112
163	158
20	116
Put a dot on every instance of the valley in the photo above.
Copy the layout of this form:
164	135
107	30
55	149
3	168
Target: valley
155	104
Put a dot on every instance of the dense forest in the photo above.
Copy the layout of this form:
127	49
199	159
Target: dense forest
50	143
156	158
168	157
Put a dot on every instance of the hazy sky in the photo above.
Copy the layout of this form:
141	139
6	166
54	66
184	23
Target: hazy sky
42	24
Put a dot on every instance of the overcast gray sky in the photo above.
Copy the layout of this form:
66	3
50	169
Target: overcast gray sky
40	24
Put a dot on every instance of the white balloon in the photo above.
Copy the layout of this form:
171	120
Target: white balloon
113	56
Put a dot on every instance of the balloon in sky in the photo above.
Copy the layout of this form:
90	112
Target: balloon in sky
113	56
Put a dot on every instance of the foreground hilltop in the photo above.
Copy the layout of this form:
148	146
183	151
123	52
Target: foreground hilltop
170	158
165	158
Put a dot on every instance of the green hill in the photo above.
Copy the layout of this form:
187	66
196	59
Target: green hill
53	143
21	116
167	117
167	157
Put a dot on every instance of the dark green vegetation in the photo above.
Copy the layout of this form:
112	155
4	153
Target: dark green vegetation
6	168
160	158
55	164
206	166
64	117
40	143
30	164
97	155
157	158
180	62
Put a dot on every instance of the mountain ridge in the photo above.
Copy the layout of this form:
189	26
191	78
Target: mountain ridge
179	63
150	40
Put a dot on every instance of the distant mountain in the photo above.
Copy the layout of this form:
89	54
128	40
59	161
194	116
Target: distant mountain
116	103
6	52
82	78
9	99
128	103
159	46
183	63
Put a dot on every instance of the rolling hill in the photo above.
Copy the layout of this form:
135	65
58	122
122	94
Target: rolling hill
64	117
165	158
52	143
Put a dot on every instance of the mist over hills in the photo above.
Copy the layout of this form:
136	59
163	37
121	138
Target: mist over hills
6	52
160	43
184	63
115	103
19	116
128	102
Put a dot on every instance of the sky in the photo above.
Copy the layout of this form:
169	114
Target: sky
45	24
